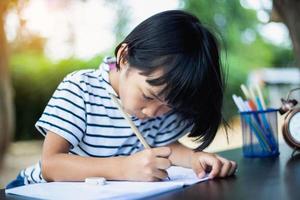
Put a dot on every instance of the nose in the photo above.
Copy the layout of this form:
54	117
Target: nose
149	112
155	110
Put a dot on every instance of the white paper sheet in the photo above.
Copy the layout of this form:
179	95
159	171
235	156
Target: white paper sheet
111	190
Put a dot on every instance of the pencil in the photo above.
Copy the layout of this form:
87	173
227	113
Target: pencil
245	91
254	126
131	124
252	94
260	96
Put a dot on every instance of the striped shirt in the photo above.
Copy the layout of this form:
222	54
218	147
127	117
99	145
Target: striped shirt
82	112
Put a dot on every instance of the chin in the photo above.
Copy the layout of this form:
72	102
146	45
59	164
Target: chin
128	112
141	117
132	114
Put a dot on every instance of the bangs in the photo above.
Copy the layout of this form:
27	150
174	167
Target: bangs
182	80
177	44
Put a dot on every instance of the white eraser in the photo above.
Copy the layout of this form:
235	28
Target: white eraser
95	180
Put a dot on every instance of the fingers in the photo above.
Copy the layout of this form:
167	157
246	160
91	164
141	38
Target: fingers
233	168
216	166
199	169
162	151
222	167
226	166
160	174
162	163
155	162
229	167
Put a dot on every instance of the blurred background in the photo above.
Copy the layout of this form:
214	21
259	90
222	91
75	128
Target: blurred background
43	40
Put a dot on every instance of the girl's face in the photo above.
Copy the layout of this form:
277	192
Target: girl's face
138	97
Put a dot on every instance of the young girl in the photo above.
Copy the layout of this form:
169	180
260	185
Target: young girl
167	75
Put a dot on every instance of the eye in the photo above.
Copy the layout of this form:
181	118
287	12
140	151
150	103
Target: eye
147	98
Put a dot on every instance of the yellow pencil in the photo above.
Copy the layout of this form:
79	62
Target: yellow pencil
260	96
245	91
131	124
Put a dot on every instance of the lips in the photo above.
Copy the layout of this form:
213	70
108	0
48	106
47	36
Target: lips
139	116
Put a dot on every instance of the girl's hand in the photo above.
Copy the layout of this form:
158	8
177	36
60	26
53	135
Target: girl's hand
217	166
147	165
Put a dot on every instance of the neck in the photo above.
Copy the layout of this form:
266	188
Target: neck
114	80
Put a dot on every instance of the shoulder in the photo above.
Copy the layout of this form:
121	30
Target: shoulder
172	120
81	76
84	79
169	117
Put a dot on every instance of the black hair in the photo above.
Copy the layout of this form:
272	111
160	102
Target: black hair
188	53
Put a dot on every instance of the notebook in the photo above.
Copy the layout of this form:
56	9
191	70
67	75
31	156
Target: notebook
179	177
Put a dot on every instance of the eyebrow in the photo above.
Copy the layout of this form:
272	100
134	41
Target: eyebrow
159	99
156	96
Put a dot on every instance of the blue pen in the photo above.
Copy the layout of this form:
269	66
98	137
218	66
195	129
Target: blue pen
257	126
254	126
252	107
258	132
252	99
266	124
262	106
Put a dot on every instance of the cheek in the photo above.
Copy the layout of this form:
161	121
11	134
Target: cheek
165	109
130	98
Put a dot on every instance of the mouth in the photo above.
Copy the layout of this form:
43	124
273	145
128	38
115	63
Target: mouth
141	117
137	115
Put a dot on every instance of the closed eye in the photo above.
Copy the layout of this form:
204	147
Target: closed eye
147	98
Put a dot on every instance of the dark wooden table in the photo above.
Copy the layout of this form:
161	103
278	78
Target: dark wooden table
256	178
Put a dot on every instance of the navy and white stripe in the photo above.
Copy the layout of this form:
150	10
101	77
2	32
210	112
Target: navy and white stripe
81	111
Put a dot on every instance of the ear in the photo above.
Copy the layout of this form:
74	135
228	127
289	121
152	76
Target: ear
123	50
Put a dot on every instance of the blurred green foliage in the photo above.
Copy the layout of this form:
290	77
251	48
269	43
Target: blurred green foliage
35	78
243	49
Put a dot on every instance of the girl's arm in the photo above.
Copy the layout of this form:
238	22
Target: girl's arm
59	165
201	162
181	155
